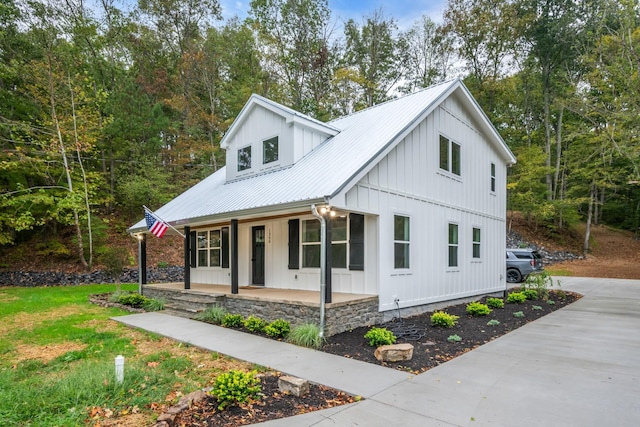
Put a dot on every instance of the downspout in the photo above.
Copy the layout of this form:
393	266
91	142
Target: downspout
323	260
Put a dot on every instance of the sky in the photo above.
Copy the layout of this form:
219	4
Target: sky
405	12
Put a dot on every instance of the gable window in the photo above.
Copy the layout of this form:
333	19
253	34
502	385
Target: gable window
400	241
449	155
270	150
453	245
244	158
209	245
310	243
476	242
493	177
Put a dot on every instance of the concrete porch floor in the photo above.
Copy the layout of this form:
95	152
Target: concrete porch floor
310	298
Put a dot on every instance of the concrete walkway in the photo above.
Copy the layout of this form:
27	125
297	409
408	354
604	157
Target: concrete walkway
578	366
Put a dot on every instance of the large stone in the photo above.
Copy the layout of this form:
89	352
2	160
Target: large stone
394	352
296	386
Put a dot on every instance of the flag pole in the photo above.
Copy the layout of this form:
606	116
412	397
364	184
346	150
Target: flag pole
169	225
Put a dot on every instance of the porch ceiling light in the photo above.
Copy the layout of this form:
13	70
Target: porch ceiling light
326	210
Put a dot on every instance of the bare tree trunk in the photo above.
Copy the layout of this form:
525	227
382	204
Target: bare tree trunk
587	232
547	147
556	173
65	161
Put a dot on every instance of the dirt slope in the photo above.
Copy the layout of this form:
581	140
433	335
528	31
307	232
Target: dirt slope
613	254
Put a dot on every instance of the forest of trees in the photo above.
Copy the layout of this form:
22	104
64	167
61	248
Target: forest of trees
104	109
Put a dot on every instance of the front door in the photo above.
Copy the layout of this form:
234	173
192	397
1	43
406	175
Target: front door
257	255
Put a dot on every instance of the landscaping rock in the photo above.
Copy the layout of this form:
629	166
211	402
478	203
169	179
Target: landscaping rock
296	386
394	352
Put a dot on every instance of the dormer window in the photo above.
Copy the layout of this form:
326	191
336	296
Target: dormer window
244	158
270	150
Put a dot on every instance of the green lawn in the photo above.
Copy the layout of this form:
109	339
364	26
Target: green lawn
58	353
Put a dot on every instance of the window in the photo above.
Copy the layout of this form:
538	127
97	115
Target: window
453	245
400	241
244	158
476	242
493	177
356	242
270	150
310	243
209	244
449	156
339	242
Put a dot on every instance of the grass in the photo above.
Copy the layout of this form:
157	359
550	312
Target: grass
58	353
557	272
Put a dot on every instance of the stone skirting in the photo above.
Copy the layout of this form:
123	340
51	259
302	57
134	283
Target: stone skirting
339	317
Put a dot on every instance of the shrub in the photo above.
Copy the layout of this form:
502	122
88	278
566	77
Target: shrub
493	322
454	338
443	319
233	321
551	302
516	298
255	324
154	304
540	282
495	302
115	296
518	314
133	300
306	335
235	387
163	264
380	336
536	307
279	328
530	294
478	309
213	315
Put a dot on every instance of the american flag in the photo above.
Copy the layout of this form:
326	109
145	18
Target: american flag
155	226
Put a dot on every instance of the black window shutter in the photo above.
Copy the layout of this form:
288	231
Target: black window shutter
356	242
294	244
225	247
193	250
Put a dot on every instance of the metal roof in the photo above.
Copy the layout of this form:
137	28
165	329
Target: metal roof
328	169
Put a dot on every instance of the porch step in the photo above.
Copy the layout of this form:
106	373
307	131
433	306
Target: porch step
177	312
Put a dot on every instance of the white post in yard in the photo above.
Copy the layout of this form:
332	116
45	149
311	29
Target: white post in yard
119	369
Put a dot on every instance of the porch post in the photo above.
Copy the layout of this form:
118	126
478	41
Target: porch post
142	261
187	257
327	268
234	256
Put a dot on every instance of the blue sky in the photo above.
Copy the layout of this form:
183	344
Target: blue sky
405	12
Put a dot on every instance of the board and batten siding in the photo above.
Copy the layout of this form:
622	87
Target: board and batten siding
277	273
408	181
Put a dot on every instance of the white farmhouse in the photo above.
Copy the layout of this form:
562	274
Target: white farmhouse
414	193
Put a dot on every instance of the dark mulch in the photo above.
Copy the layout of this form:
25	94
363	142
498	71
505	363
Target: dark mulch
273	405
431	347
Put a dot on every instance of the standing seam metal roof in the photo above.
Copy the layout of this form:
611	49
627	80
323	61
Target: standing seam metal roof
322	172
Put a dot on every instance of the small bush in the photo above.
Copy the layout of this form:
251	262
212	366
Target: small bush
536	307
233	321
454	338
495	302
115	296
551	302
518	314
516	298
154	304
163	264
541	282
213	315
236	387
443	319
306	335
530	294
133	300
380	336
493	322
279	328
478	309
255	324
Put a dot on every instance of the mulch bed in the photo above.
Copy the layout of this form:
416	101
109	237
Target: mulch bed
273	405
431	348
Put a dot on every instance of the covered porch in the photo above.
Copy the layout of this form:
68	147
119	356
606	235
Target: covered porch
345	311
